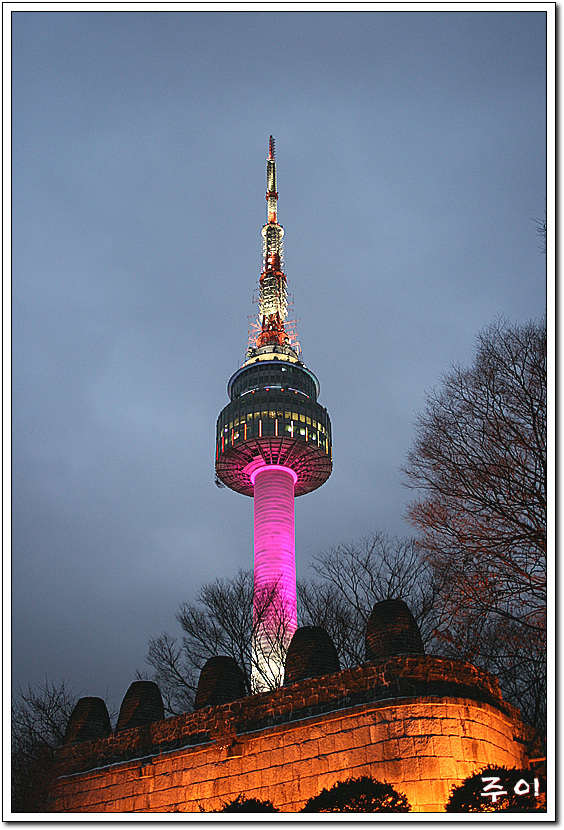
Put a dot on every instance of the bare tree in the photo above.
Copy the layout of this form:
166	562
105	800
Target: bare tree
322	604
173	672
226	619
479	463
39	721
359	574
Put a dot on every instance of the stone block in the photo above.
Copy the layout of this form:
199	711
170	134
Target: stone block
223	787
471	749
429	766
431	796
412	726
391	749
343	741
329	742
174	777
233	765
165	798
441	746
320	764
332	725
290	753
263	760
261	778
101	781
355	758
282	772
378	732
270	777
126	789
78	801
305	768
375	752
361	736
483	732
203	772
448	768
411	770
352	722
204	790
449	726
429	725
289	792
422	745
390	771
112	806
139	804
319	731
249	763
406	747
456	749
309	749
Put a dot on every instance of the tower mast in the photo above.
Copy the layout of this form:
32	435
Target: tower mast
273	442
273	295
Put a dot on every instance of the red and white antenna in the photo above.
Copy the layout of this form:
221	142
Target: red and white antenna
272	328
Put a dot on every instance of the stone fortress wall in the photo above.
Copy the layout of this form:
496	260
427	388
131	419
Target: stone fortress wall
418	722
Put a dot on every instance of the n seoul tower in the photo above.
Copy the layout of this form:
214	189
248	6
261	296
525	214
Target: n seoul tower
273	442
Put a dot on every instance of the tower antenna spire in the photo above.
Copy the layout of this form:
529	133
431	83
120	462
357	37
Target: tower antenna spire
273	294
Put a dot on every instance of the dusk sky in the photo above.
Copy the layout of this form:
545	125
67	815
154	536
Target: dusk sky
411	161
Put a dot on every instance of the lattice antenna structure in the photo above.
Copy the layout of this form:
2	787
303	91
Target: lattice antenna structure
273	291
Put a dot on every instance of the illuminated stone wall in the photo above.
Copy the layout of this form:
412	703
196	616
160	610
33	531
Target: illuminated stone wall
420	723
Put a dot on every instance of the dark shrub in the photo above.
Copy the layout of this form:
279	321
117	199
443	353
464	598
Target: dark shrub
358	795
468	797
248	805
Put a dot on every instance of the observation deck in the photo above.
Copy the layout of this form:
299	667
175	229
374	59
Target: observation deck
273	418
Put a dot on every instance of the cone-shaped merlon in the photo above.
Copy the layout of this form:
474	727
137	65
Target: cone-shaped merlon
221	681
392	630
142	704
89	721
311	653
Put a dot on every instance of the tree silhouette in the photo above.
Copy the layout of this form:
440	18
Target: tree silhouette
248	805
358	795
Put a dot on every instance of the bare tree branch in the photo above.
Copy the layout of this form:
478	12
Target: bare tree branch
376	568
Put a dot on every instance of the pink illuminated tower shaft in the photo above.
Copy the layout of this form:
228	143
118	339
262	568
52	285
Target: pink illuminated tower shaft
274	606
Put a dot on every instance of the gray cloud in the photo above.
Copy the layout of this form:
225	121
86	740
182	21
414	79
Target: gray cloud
411	163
